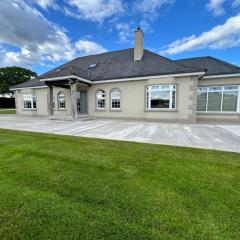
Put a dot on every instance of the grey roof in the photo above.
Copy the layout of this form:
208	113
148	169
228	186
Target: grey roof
31	83
211	65
120	64
115	65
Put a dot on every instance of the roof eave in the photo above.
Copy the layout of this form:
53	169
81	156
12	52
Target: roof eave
66	77
221	76
200	74
19	88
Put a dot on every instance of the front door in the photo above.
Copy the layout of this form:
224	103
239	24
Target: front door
82	102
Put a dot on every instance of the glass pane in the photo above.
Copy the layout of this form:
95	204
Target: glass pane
101	103
231	88
230	101
201	101
214	101
160	99
115	103
34	102
154	87
215	89
115	95
173	99
27	104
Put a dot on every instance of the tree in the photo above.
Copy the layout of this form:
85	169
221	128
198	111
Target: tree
10	76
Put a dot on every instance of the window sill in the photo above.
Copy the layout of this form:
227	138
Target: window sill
61	109
160	110
100	110
29	109
218	113
115	110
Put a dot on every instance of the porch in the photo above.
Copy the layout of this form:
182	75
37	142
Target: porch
69	104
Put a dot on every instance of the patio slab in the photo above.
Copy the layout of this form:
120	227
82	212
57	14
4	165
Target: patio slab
208	136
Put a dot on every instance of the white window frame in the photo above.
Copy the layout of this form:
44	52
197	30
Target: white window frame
58	101
32	96
111	99
160	87
206	89
101	98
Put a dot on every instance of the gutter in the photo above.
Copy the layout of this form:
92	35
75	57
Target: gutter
150	77
20	88
66	77
123	79
222	76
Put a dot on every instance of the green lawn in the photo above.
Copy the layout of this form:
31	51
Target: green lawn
7	111
59	187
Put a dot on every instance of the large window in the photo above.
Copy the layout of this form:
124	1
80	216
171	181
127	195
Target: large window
161	97
218	99
29	101
100	99
61	100
115	99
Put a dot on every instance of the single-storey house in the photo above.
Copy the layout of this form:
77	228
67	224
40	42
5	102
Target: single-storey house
134	84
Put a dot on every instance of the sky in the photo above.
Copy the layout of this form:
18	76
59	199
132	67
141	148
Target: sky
43	34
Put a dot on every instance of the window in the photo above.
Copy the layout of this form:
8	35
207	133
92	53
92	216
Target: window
115	99
161	97
218	99
29	101
100	99
61	100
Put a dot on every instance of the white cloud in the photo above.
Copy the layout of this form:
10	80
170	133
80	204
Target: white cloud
217	6
124	31
45	4
87	47
219	37
94	10
33	38
236	4
150	10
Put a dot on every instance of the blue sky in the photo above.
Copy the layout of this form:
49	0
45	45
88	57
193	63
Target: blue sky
42	34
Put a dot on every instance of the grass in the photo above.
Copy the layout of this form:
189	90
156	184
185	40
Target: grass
59	187
7	111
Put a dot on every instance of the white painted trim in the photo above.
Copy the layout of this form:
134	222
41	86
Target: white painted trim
149	77
222	76
66	77
124	79
238	103
13	89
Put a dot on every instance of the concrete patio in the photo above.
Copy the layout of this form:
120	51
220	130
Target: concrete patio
221	137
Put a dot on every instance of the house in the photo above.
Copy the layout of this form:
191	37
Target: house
134	84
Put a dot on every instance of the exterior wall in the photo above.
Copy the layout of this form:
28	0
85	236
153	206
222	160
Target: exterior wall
232	117
42	106
133	100
42	102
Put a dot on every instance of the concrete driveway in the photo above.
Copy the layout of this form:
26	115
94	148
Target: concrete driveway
221	137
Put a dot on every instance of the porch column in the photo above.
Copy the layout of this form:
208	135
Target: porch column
73	88
50	100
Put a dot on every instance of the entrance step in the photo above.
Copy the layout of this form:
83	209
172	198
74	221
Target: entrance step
62	118
86	117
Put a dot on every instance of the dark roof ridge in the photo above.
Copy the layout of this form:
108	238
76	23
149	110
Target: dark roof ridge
224	62
211	57
173	61
192	58
103	53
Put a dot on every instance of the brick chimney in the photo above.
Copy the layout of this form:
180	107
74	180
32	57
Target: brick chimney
138	44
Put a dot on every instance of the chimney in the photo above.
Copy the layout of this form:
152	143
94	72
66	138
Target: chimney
138	44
